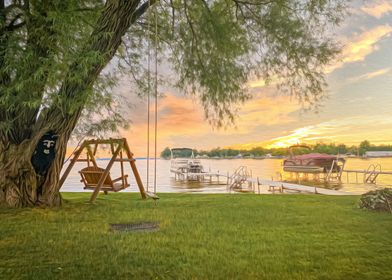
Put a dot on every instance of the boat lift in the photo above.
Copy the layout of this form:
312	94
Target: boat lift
189	169
369	175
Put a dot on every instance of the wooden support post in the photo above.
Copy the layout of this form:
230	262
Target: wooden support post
88	159
134	170
122	168
91	156
112	147
95	149
105	174
71	164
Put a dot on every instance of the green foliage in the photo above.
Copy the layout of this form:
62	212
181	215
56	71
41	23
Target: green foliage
217	46
166	154
377	200
204	236
323	148
35	54
214	47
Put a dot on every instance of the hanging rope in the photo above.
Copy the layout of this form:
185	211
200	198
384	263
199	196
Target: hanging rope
148	96
156	100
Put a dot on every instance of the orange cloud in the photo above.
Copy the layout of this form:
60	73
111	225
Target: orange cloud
177	116
378	9
267	110
359	127
370	75
181	122
362	45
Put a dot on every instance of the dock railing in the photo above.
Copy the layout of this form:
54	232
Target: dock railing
370	174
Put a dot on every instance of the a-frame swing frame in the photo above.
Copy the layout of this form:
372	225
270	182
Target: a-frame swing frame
118	146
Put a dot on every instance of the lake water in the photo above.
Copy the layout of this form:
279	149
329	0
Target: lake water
262	168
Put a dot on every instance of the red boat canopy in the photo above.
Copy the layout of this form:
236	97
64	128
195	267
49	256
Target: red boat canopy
314	156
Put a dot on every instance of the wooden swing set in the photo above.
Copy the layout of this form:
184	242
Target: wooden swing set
99	179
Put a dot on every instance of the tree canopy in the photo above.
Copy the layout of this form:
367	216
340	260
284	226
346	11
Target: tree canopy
213	46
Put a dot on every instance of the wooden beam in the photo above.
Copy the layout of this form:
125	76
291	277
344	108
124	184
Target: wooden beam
103	141
105	174
122	167
71	164
95	149
134	169
112	148
82	160
91	156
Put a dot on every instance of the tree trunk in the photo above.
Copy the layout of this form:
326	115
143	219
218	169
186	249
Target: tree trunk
20	185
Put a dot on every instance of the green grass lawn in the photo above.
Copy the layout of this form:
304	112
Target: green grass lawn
200	237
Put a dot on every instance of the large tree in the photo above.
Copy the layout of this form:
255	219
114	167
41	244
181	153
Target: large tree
53	54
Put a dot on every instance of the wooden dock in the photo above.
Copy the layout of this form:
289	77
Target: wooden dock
370	174
279	186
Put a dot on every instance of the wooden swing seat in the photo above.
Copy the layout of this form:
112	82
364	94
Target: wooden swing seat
91	176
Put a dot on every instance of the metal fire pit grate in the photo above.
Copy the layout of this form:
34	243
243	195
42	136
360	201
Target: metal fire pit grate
137	227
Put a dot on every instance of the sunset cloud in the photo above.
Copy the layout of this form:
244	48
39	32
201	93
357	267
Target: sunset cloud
267	110
177	116
360	46
350	130
378	9
364	44
181	122
369	75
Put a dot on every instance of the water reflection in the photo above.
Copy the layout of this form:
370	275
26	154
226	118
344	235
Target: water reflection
263	168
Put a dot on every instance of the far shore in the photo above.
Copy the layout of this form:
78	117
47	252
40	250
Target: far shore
245	157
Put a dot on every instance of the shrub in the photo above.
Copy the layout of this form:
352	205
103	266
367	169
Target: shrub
378	200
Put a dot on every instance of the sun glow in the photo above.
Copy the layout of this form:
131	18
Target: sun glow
297	136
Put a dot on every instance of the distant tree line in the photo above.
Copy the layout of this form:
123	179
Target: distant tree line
332	149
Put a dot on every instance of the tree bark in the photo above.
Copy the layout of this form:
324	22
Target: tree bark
18	183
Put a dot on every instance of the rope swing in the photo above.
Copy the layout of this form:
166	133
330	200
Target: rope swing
156	102
149	100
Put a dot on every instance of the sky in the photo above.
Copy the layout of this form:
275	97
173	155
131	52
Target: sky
359	104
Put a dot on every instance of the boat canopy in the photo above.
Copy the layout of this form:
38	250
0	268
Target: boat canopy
315	156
